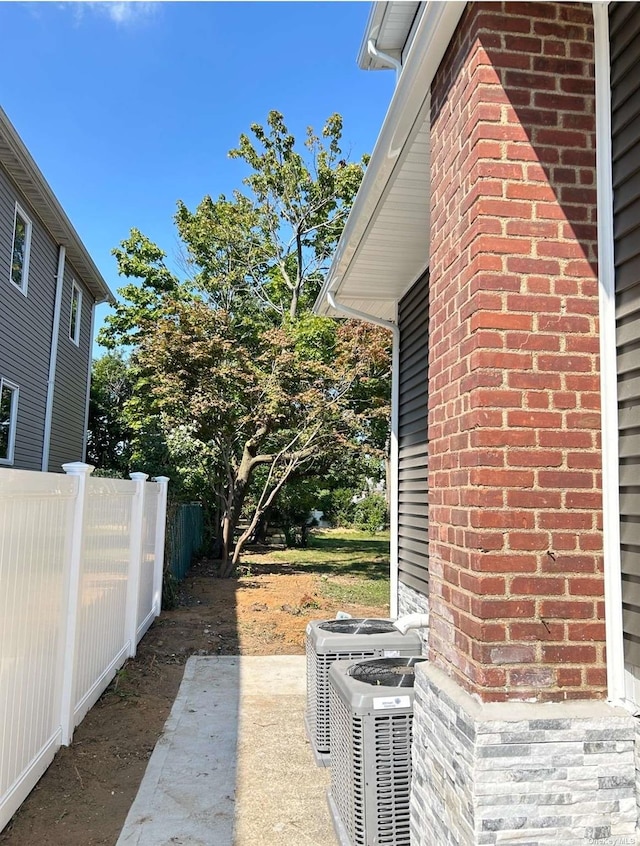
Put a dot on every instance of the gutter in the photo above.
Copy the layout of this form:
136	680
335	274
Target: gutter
376	16
393	448
53	358
373	51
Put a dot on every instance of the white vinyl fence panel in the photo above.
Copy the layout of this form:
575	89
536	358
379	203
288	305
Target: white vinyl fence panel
76	555
146	594
101	644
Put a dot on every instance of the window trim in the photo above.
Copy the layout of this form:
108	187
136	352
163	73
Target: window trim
74	337
13	419
27	250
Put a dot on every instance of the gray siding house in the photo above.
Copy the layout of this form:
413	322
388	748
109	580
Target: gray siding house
49	286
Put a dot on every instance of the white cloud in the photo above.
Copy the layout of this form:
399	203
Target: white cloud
125	13
120	12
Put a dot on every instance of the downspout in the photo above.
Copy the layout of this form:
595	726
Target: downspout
393	450
608	365
53	358
89	370
373	51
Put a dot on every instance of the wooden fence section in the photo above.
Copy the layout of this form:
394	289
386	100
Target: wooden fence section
81	563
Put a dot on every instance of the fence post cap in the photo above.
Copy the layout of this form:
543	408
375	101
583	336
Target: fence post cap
162	480
78	468
139	477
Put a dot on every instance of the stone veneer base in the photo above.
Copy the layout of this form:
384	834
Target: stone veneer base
411	601
519	773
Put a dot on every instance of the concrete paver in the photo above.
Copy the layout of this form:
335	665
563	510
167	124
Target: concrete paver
233	766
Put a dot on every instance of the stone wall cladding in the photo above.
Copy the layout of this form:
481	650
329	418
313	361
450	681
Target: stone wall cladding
411	601
516	589
527	774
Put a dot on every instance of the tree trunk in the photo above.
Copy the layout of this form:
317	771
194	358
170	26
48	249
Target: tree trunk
297	289
233	512
260	534
226	545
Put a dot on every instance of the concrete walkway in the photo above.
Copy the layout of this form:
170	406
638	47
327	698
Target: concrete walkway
233	766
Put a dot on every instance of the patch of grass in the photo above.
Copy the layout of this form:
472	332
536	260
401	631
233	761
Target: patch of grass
352	567
340	552
122	685
357	591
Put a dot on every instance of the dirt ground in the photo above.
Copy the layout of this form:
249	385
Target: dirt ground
84	797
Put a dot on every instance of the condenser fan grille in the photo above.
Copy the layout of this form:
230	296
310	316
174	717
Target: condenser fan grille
318	692
361	627
386	672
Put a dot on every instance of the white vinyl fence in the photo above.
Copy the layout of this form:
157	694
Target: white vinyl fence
80	583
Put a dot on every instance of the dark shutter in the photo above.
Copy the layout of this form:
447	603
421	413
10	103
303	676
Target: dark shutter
624	21
413	506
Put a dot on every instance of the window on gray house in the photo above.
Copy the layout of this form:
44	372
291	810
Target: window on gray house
8	414
20	249
76	313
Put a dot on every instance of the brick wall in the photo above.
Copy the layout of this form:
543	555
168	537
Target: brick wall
516	592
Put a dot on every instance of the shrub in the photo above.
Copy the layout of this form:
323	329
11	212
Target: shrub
341	508
371	513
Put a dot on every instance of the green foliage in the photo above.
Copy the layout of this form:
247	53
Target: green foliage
107	474
339	507
371	513
292	509
141	305
109	445
304	198
229	371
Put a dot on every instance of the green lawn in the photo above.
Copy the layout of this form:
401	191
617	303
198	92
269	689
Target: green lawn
351	566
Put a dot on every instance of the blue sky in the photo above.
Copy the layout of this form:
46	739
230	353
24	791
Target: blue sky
127	107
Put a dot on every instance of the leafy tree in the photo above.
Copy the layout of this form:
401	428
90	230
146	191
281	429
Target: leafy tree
109	437
231	359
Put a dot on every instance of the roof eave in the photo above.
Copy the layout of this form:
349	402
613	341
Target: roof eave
400	127
27	175
376	16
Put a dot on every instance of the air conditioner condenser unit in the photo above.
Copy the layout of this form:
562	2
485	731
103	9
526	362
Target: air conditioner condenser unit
328	641
371	714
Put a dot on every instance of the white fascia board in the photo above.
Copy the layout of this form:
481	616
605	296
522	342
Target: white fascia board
433	34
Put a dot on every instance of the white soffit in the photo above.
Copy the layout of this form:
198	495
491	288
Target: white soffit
389	25
395	248
385	243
